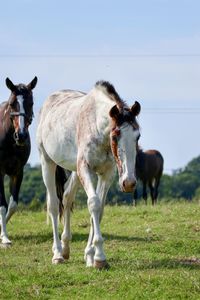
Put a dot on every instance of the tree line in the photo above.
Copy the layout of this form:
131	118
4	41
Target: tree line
182	184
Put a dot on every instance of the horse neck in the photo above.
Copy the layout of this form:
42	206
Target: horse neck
5	118
103	120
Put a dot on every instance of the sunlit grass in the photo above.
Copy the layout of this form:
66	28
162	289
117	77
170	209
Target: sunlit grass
154	253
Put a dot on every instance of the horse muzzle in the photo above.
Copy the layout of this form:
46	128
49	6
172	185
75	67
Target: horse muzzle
20	137
128	185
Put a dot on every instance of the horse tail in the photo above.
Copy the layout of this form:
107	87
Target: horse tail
61	179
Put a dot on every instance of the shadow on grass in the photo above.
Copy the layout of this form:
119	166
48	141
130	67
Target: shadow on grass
43	237
147	239
39	238
168	263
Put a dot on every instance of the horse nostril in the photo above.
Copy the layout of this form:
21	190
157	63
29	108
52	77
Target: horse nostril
134	183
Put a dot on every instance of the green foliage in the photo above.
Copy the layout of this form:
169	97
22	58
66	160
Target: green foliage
153	254
184	183
32	185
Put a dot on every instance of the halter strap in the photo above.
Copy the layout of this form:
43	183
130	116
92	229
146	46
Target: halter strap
13	114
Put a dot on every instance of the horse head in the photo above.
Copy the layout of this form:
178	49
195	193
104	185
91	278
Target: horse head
21	109
124	143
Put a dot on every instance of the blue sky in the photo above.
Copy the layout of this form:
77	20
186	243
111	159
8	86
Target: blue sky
149	50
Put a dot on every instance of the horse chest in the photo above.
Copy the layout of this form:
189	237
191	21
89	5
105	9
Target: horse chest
13	159
99	157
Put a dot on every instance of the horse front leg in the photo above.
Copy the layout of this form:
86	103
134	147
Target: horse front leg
94	206
3	209
70	189
103	185
15	184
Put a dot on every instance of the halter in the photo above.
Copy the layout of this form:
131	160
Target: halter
17	114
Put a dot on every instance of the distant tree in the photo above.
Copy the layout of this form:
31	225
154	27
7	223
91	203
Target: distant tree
184	183
32	185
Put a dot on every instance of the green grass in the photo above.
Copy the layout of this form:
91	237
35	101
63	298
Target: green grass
154	253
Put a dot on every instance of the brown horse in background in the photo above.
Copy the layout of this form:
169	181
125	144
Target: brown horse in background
16	115
149	169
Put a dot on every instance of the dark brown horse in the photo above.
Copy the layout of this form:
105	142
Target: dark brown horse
15	117
149	169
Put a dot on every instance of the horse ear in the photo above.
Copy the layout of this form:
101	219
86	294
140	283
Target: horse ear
32	84
114	112
10	85
135	109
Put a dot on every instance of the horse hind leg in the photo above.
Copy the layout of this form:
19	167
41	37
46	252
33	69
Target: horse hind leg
144	193
135	197
151	187
48	174
70	189
157	182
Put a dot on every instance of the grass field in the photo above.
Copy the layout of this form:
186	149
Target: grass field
154	253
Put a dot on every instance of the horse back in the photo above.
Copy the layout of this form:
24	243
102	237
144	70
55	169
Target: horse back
155	162
149	165
82	128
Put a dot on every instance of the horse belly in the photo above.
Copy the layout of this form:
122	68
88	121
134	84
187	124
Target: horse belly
57	134
61	151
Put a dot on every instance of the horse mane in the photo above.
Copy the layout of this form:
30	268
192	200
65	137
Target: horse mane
109	89
2	104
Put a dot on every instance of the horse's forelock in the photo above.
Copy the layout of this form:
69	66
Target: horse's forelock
22	89
125	115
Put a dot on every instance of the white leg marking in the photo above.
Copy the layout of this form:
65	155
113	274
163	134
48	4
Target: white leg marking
94	207
103	185
90	249
12	208
4	236
48	172
68	198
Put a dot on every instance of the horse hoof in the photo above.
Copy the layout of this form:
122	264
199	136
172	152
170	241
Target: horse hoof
56	261
101	265
5	241
5	245
66	255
